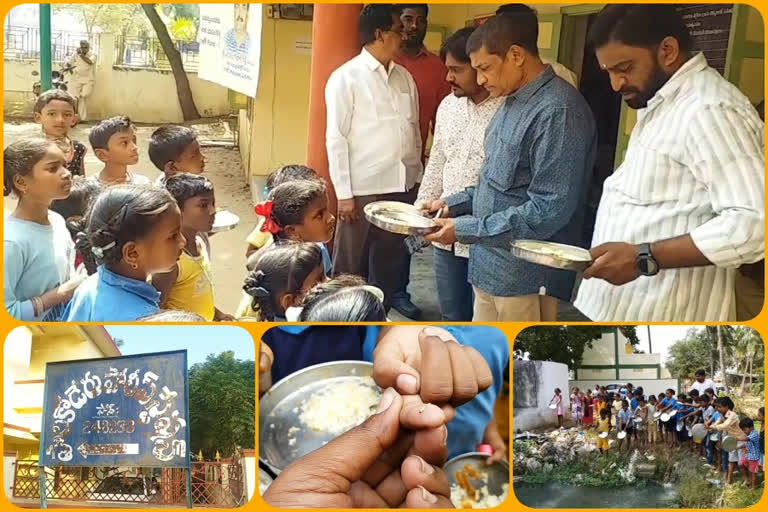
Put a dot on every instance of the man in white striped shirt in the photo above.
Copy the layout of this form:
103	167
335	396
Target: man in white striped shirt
686	207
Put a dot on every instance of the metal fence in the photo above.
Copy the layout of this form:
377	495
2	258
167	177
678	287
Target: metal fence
24	43
146	52
214	484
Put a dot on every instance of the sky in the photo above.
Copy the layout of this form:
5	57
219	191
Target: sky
199	340
662	337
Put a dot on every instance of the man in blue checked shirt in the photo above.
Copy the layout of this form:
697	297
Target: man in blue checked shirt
540	150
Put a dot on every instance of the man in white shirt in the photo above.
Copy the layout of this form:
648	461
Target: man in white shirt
454	164
83	64
686	207
702	383
374	148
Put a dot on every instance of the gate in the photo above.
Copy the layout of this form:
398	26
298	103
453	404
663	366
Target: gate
214	484
217	484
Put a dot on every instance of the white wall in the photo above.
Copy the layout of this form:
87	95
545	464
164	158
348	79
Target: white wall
9	471
654	386
251	477
548	376
602	351
16	355
144	95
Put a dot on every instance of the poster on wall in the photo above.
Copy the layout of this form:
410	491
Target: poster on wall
119	411
230	45
710	29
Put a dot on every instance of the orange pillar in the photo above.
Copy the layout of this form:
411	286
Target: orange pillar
334	42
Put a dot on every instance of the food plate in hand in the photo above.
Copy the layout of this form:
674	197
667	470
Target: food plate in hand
400	218
603	435
224	221
475	484
310	407
621	435
551	254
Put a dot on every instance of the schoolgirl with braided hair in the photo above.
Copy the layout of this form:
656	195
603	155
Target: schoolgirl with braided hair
283	274
38	254
129	233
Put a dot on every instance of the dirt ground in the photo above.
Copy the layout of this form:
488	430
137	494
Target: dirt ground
233	193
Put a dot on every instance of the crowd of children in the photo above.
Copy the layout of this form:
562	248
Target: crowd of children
642	421
113	246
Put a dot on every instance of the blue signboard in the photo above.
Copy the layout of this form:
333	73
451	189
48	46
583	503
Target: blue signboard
119	411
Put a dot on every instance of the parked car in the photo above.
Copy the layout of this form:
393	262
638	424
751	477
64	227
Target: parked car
617	388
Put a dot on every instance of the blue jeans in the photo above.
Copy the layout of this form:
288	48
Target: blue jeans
724	457
709	450
454	293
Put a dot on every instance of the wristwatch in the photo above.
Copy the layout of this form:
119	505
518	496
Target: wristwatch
646	264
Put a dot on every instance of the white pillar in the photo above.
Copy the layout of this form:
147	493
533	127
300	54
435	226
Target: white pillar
250	471
9	471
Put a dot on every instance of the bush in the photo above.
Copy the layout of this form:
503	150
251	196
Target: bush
738	497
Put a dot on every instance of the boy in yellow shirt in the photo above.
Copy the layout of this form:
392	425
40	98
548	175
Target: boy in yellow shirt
603	425
189	286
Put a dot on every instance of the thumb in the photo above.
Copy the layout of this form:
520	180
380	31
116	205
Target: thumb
265	357
390	368
351	454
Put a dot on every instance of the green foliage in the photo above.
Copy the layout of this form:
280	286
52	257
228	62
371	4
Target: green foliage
561	344
123	19
693	352
183	29
630	332
738	497
222	405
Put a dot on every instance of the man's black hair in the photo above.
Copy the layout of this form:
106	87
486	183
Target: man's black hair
700	372
375	17
500	33
515	9
641	25
423	7
456	45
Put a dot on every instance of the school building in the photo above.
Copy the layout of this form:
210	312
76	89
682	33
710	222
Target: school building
285	123
611	360
25	353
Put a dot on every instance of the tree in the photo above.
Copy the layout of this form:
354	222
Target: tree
183	89
117	18
561	344
689	354
721	352
221	405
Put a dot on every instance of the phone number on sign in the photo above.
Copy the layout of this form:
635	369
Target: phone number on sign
109	427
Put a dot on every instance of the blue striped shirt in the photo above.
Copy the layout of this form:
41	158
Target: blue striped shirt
540	150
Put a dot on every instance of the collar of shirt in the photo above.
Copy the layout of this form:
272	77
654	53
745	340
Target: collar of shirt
669	89
134	286
531	88
374	64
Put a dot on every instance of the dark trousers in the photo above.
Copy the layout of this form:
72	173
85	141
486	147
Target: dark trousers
454	293
379	256
405	276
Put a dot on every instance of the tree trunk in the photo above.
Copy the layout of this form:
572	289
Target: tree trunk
721	351
183	90
744	377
